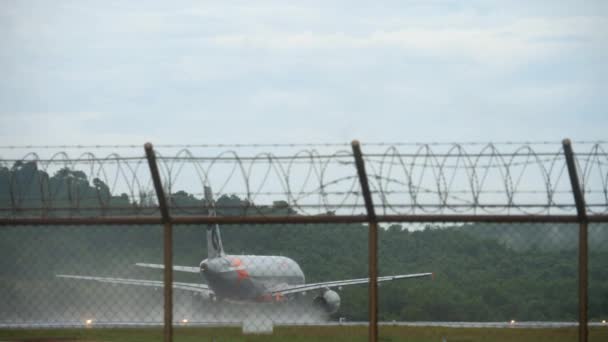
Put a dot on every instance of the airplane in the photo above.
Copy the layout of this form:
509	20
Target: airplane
249	278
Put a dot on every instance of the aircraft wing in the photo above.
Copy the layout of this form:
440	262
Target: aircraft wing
192	287
188	269
338	283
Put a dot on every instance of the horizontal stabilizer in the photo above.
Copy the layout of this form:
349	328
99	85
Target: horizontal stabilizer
188	269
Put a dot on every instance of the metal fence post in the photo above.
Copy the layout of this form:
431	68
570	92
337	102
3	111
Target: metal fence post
372	242
583	250
168	243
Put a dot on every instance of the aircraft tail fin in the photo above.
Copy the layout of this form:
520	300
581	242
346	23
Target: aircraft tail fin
214	239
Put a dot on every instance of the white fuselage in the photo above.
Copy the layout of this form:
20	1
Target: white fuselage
250	277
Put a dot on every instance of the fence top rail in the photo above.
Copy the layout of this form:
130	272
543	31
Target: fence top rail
205	220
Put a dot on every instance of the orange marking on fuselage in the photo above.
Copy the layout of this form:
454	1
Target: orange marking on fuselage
241	273
277	297
236	262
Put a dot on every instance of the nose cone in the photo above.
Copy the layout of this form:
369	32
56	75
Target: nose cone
211	266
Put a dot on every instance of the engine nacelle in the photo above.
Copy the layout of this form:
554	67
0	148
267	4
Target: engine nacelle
329	301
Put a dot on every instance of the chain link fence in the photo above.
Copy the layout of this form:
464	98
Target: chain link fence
468	241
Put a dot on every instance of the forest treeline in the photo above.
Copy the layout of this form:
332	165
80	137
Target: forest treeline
25	190
484	272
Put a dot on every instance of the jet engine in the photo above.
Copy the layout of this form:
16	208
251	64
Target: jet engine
328	300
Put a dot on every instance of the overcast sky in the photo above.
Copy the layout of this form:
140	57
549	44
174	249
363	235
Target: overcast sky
125	72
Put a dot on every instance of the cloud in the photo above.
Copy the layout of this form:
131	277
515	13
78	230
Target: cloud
278	71
59	128
514	43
